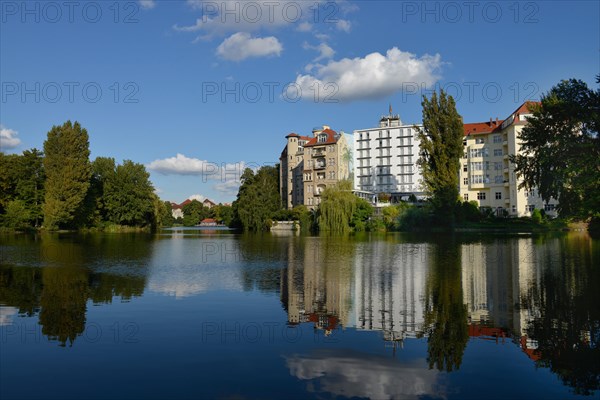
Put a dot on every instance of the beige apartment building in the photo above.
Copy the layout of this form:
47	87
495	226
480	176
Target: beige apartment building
487	175
310	164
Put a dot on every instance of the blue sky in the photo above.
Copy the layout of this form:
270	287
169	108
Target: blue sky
197	90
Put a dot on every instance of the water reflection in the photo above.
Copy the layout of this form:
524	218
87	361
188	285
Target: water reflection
427	299
445	312
59	293
540	294
355	374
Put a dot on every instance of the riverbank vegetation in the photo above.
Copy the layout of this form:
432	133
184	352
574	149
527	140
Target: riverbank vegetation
61	189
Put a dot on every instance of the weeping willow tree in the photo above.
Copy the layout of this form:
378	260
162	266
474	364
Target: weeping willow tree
337	206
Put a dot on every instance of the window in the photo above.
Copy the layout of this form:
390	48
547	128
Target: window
530	207
477	166
498	195
478	152
498	179
514	209
497	166
497	152
479	140
466	196
322	138
465	181
549	207
480	195
476	179
497	139
465	167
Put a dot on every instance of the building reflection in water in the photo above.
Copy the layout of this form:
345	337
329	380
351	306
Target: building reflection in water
536	293
317	285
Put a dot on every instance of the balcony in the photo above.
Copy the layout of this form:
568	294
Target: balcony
505	170
318	153
320	165
506	183
507	200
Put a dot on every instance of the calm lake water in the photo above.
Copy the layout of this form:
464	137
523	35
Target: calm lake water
212	314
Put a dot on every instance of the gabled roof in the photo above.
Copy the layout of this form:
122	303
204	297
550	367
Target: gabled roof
492	126
332	138
475	128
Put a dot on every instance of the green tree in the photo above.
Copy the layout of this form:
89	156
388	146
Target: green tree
337	207
560	148
9	174
103	170
258	199
129	195
441	146
193	213
68	173
22	178
361	215
223	214
30	184
17	215
164	213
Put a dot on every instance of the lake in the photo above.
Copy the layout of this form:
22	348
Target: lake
190	313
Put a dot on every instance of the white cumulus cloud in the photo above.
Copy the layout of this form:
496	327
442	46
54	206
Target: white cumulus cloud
227	16
374	76
325	51
8	138
242	45
182	165
343	25
147	4
304	27
197	197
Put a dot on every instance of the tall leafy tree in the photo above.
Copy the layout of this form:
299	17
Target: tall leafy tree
129	195
441	146
194	212
337	207
258	198
103	170
68	173
22	188
560	148
30	185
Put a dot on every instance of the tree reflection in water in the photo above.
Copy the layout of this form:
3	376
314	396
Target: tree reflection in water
567	330
60	291
445	316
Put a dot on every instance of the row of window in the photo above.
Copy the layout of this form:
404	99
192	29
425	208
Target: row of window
495	139
403	132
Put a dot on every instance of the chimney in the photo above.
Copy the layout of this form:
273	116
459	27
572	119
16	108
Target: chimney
496	121
491	121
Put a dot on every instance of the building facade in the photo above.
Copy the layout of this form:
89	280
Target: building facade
486	173
310	164
385	160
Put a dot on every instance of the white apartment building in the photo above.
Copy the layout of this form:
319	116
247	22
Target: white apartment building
487	175
385	160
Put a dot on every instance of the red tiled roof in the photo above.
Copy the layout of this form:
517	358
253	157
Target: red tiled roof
332	138
475	128
208	221
208	201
